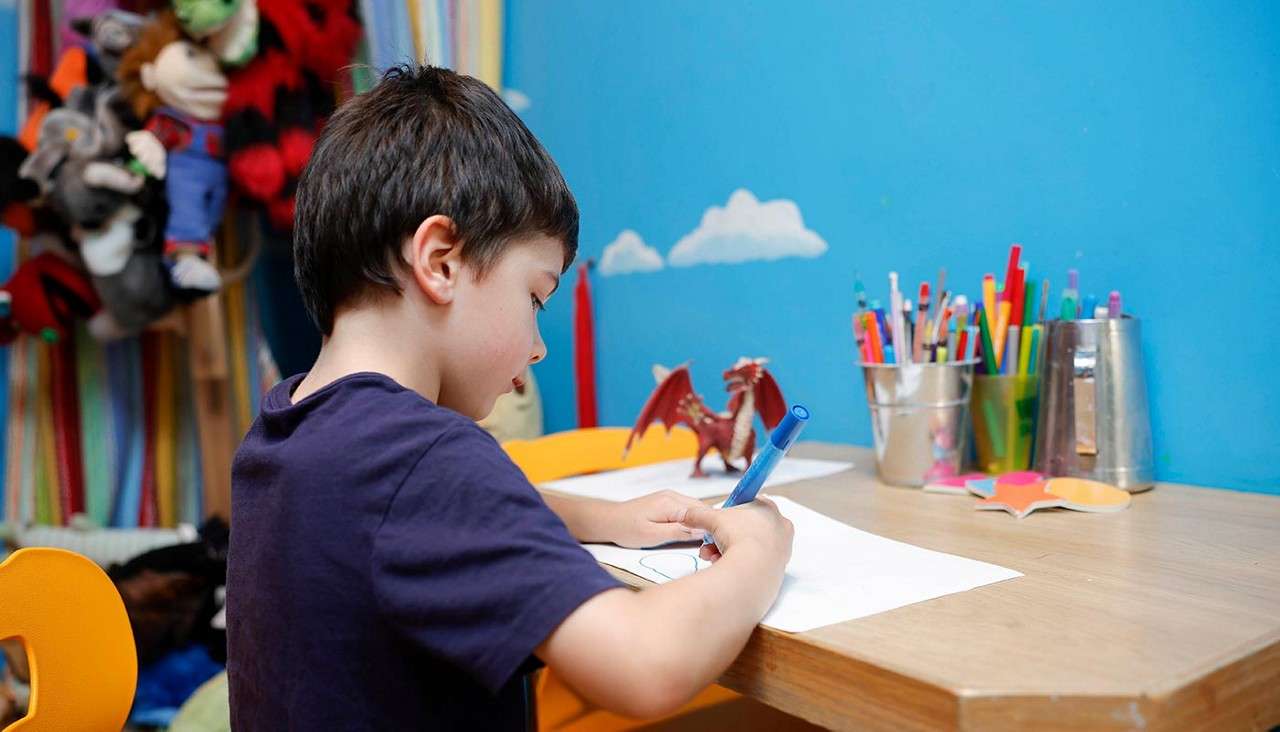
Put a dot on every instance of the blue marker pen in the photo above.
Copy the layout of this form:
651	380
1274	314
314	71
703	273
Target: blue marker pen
766	460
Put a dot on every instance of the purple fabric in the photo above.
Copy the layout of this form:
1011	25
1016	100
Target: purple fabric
390	567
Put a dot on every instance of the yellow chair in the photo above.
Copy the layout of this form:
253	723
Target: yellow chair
579	452
84	668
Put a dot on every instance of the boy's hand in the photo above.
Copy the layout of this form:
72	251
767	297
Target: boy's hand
757	524
652	520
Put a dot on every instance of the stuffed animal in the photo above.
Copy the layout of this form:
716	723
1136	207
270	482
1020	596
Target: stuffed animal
109	34
279	101
44	297
177	86
124	259
229	28
90	125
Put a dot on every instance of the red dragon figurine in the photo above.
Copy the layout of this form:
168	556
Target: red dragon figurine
752	389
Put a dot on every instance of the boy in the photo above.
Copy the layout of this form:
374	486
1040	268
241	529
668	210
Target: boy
390	568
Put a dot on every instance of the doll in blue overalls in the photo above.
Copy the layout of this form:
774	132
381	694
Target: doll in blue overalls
177	86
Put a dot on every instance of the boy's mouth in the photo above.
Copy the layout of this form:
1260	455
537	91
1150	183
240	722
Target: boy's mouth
518	383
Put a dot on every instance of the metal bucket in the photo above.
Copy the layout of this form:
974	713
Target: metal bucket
1094	417
919	418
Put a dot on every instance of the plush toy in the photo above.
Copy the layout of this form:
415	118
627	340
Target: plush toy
90	125
177	86
732	433
278	102
44	297
124	259
229	28
109	34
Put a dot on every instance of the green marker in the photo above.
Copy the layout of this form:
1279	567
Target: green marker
988	350
1068	308
1029	305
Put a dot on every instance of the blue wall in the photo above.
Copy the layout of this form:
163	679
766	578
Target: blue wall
1138	142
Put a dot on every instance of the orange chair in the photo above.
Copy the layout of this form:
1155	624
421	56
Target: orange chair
84	668
579	452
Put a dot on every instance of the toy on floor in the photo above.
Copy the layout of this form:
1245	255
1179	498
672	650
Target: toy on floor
732	433
177	87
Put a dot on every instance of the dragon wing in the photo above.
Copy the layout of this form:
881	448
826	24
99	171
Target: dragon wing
672	402
769	401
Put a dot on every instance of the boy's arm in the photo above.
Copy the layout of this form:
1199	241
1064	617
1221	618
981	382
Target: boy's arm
644	654
643	522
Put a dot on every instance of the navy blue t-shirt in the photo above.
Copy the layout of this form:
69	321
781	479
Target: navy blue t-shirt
390	568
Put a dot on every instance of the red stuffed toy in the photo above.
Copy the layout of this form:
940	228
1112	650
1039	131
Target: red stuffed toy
278	102
45	296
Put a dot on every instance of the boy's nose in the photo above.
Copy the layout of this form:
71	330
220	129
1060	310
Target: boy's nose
539	348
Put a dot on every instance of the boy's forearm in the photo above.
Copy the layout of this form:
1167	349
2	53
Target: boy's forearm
586	518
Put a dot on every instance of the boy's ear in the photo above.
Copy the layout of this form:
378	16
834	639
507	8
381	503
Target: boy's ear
434	256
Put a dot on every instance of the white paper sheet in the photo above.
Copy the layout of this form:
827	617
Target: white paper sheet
836	573
623	485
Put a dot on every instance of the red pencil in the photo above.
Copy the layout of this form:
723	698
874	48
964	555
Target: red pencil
1015	250
1019	293
961	343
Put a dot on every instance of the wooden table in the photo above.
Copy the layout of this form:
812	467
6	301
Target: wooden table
1165	616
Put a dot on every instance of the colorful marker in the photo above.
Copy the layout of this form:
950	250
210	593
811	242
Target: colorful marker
1113	304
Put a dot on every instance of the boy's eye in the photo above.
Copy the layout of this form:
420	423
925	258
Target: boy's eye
537	304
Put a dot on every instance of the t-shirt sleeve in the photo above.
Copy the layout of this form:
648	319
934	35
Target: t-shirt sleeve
471	565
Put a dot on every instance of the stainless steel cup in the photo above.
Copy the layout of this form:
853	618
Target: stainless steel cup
1094	417
919	418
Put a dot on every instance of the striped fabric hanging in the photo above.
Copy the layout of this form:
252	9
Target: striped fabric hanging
464	35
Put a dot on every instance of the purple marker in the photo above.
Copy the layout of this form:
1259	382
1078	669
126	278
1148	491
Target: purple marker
1113	304
1073	286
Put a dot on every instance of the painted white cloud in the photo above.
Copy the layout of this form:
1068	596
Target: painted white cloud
629	253
516	99
745	230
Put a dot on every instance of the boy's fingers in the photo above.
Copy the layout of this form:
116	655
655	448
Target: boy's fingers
693	532
665	533
673	509
709	552
700	516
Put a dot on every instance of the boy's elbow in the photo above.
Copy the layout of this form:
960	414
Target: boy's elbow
660	684
652	699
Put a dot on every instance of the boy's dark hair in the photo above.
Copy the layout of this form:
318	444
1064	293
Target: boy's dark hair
424	141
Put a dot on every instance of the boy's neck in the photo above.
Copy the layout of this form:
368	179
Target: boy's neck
372	339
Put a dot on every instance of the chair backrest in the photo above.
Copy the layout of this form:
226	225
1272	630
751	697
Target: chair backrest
84	667
578	452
